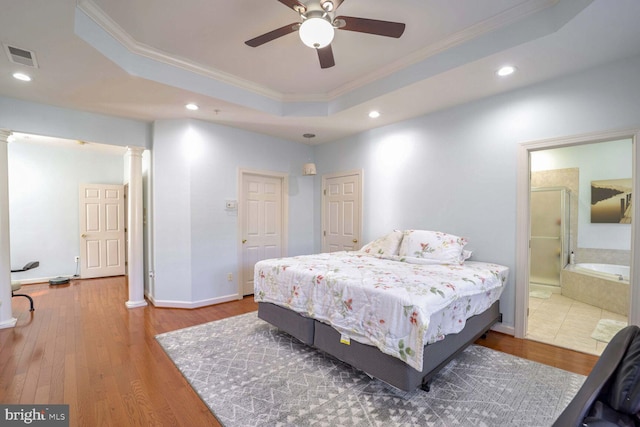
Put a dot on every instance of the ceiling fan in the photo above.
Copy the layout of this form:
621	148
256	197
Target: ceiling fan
318	23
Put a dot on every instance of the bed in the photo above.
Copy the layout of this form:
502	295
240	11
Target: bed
399	309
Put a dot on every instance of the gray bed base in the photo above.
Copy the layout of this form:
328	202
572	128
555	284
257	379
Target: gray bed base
371	360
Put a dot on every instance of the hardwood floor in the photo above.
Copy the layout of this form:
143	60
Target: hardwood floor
83	347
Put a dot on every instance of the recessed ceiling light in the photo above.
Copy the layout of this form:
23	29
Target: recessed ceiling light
22	76
374	114
191	106
506	70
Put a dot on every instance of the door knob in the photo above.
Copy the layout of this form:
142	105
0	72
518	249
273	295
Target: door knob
244	241
84	236
355	240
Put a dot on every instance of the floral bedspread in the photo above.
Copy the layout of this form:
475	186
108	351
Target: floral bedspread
396	306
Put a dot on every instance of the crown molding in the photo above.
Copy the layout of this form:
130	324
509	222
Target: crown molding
507	18
121	36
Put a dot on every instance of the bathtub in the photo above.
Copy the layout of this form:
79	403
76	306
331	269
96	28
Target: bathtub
606	271
601	285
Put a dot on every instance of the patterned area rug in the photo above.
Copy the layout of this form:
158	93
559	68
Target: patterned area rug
606	329
251	374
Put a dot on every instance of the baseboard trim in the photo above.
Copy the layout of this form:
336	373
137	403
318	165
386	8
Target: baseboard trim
42	279
504	329
136	304
9	323
191	304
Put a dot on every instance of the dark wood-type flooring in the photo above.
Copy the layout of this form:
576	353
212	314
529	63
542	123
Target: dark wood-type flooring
83	347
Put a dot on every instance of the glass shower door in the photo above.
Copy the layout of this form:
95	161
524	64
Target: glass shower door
548	225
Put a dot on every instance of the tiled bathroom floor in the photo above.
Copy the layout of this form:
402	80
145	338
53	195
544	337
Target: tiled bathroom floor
567	323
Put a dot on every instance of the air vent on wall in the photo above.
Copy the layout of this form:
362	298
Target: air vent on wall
21	56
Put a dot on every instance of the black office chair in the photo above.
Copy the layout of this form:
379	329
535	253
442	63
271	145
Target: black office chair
16	286
610	395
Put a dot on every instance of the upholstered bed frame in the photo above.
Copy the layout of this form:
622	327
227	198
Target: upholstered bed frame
371	360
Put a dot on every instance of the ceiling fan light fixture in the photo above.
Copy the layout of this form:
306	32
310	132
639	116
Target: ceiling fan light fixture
316	32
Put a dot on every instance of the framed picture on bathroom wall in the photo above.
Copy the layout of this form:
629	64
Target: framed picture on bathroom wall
611	201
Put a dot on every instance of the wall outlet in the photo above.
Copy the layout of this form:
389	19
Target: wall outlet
77	259
230	277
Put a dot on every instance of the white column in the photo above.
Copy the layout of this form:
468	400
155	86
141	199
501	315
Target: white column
6	319
135	248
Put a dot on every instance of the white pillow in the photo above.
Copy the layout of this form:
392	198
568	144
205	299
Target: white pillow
385	246
423	246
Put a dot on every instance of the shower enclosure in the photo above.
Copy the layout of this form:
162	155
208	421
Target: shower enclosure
549	235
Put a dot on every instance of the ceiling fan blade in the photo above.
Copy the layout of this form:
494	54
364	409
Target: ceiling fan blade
371	26
272	35
295	5
325	55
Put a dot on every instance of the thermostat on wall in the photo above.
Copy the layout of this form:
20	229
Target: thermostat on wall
231	204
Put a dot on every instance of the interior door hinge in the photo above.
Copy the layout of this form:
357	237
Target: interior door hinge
324	192
324	233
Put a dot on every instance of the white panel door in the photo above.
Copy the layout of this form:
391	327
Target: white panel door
342	212
261	222
102	230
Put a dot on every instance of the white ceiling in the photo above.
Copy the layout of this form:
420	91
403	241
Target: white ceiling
146	59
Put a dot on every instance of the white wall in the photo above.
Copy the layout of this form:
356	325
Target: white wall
455	170
43	203
195	169
46	120
605	160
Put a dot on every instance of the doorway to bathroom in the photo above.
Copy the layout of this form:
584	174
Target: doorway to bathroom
566	304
